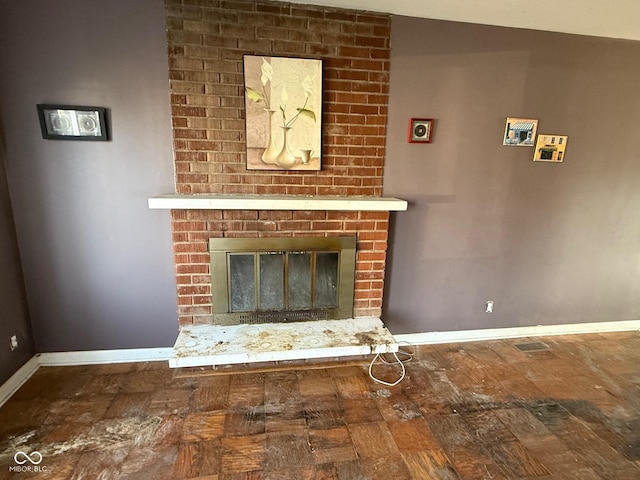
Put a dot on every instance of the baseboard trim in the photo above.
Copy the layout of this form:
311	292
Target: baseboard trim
428	338
105	356
11	386
8	388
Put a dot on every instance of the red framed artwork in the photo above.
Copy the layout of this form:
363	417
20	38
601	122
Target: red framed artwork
420	130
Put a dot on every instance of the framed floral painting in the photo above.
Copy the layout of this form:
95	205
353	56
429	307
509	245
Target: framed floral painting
283	100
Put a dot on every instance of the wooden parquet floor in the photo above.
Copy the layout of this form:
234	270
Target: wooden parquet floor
467	411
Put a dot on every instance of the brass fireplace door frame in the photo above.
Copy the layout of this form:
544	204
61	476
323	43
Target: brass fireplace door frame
221	248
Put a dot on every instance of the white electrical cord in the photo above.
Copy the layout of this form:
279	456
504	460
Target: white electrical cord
398	361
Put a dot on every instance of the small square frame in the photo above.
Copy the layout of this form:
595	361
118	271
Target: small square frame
420	130
550	148
520	132
72	122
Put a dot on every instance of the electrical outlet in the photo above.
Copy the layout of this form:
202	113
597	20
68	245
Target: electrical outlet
14	342
489	307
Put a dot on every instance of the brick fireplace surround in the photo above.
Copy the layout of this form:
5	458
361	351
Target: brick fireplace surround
206	42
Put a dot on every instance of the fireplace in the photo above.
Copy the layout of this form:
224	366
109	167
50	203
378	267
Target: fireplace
217	197
198	219
279	280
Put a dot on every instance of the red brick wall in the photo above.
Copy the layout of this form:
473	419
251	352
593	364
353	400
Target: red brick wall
206	42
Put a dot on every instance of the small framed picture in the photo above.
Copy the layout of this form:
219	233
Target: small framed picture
420	130
550	148
520	132
68	122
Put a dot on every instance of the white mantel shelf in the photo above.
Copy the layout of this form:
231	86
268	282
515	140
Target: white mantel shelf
274	202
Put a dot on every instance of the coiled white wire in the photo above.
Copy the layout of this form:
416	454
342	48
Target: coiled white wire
403	372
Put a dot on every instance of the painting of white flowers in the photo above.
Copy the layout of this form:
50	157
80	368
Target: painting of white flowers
283	99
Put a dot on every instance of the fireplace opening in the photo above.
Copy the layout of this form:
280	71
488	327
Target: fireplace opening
276	280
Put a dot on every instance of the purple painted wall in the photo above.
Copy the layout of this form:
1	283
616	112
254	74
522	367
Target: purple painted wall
548	243
97	262
14	314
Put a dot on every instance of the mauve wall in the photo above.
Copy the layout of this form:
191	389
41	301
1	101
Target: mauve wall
97	262
14	314
548	243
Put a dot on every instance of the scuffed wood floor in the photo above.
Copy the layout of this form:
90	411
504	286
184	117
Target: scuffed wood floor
466	411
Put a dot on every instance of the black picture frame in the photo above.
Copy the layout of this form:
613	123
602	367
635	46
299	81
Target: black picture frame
72	122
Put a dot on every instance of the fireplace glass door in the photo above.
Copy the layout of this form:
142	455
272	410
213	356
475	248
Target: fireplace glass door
304	279
283	280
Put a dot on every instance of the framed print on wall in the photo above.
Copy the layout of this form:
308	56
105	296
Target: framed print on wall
283	100
70	122
420	130
520	132
550	148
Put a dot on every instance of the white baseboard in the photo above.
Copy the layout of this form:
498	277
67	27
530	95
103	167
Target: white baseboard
428	338
105	356
11	386
8	388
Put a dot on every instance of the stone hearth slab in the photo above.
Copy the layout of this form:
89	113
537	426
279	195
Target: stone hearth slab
200	345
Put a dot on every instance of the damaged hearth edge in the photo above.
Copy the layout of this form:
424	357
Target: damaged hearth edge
200	345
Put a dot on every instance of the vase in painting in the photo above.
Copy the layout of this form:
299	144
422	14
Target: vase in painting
285	158
271	151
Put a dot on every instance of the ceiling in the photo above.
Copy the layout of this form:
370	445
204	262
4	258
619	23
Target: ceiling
611	18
